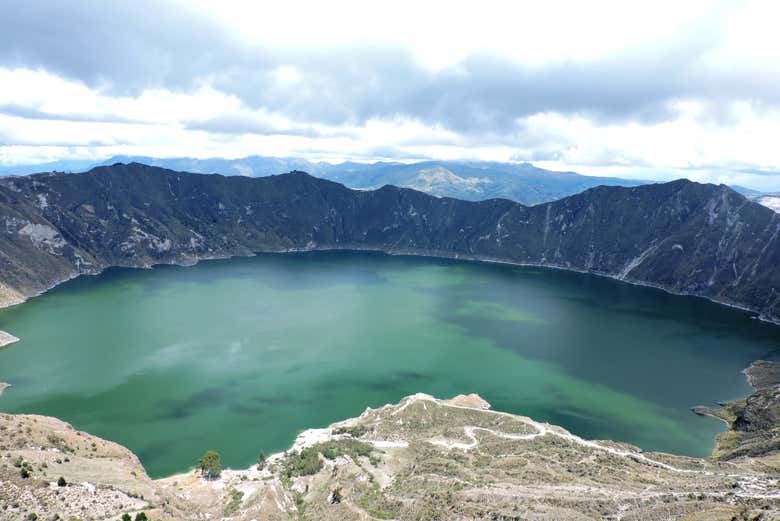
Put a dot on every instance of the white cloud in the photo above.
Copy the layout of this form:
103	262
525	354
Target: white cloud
440	33
654	90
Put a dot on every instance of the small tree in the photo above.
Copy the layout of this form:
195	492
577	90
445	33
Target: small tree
141	517
126	517
261	461
61	482
209	465
336	496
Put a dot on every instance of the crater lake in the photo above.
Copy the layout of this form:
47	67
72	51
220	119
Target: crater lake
240	355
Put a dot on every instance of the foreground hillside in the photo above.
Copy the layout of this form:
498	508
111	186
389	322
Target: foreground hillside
421	459
681	236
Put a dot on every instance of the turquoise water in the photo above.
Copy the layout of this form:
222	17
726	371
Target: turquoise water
240	355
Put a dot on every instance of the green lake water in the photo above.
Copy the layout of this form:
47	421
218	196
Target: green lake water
240	355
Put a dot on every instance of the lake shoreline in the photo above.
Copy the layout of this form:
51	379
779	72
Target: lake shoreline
291	265
192	261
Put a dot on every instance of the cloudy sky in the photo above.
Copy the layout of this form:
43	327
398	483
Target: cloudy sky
638	89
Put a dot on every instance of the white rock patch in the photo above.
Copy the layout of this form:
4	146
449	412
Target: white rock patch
42	236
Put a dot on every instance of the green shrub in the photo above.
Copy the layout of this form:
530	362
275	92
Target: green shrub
349	447
303	463
307	461
235	502
60	443
356	432
300	504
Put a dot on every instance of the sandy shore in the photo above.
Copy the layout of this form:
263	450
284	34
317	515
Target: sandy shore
7	338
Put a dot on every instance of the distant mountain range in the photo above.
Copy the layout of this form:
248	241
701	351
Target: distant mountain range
467	180
681	236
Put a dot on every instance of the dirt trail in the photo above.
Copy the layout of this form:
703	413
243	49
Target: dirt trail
751	486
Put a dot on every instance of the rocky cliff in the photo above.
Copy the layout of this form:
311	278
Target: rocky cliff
681	236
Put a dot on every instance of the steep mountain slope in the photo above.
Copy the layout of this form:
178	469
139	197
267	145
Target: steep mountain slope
684	237
469	180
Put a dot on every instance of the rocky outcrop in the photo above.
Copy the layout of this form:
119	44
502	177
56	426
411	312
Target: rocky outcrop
97	479
681	236
763	374
754	423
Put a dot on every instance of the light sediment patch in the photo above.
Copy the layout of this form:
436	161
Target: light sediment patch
7	338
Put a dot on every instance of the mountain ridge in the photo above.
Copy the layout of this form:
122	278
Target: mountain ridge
472	180
680	236
463	179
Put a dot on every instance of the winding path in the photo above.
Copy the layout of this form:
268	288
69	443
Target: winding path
754	486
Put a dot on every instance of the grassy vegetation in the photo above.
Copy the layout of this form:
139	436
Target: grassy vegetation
307	461
378	504
236	496
346	447
356	432
303	463
60	443
25	467
300	504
